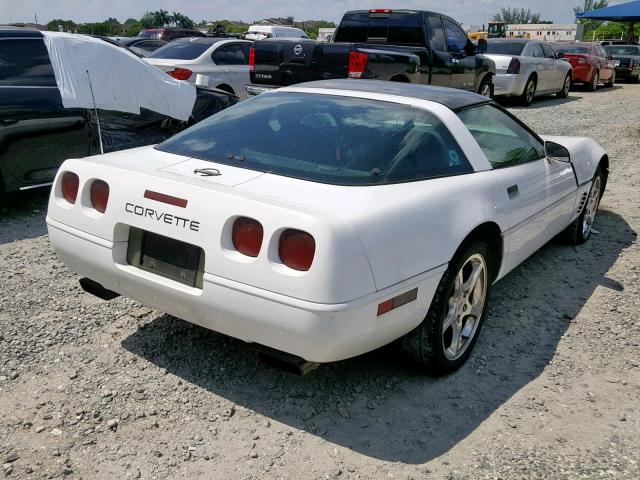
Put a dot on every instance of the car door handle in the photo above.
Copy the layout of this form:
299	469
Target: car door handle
512	190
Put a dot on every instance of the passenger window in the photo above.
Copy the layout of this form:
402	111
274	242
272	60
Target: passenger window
503	140
437	34
548	51
456	38
233	54
25	62
536	51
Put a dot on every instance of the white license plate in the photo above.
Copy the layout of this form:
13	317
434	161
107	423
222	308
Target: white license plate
616	63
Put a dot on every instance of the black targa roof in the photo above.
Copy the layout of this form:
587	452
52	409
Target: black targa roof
449	97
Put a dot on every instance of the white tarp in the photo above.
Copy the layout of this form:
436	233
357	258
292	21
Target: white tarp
121	81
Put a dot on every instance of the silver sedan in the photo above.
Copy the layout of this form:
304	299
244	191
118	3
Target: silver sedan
527	69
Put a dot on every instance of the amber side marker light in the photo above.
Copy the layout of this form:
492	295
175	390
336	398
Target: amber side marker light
395	302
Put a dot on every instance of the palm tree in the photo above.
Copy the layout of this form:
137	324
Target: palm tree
162	17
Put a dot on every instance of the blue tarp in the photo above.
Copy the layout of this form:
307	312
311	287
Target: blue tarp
625	12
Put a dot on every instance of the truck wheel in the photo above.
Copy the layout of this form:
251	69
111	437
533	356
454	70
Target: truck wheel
486	87
529	92
443	341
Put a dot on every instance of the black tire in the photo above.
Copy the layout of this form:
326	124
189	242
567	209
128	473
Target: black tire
529	92
592	86
566	86
612	81
425	345
575	233
635	79
486	87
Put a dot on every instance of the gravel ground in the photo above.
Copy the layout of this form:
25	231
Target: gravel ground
93	389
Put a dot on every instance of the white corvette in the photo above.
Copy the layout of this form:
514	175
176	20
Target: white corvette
328	219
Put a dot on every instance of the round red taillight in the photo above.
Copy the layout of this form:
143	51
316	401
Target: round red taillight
99	195
70	185
247	236
297	249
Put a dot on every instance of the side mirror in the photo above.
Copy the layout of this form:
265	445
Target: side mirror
556	152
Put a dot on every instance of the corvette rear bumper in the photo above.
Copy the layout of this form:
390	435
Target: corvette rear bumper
313	331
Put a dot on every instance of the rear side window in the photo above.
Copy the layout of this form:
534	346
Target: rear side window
327	139
536	51
233	54
397	28
548	51
436	34
182	50
25	63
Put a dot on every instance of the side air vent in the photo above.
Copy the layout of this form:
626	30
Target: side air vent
583	202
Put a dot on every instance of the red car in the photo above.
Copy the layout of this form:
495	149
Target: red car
591	64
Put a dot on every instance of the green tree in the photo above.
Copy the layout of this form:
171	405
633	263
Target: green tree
162	18
67	25
516	15
148	20
587	6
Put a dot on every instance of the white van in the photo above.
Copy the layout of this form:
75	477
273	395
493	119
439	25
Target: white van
258	32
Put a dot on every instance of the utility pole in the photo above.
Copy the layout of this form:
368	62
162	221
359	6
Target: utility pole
35	17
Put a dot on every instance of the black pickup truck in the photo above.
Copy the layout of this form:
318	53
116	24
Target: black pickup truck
399	45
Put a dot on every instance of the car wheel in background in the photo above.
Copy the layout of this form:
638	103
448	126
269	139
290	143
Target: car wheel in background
593	85
612	80
566	86
443	341
580	229
529	92
486	87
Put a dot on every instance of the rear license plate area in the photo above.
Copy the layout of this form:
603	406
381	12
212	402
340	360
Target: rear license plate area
167	257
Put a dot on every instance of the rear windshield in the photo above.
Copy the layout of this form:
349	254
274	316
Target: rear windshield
181	50
570	49
25	63
395	28
505	48
327	139
622	50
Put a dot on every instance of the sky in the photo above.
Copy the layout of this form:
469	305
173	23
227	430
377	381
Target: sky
469	12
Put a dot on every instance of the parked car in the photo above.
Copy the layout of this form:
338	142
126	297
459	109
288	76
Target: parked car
168	34
142	46
37	133
401	45
260	32
527	68
224	61
616	41
591	65
249	223
626	58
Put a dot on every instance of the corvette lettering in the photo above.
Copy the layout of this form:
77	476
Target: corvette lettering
167	218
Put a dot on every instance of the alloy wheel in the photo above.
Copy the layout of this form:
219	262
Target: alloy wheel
591	208
466	305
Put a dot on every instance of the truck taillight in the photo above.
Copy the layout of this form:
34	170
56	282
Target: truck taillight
252	59
99	195
69	186
297	249
247	236
181	73
357	64
514	66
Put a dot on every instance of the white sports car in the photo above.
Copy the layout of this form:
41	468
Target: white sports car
327	219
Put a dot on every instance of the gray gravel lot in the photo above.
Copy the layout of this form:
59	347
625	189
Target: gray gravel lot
92	389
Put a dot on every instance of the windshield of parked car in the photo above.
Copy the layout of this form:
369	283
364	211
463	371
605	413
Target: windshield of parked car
324	138
622	50
181	50
505	48
562	49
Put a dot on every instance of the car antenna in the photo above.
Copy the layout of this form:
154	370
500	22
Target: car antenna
97	116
